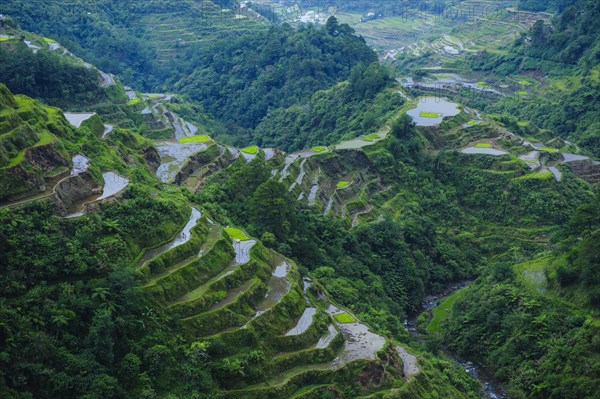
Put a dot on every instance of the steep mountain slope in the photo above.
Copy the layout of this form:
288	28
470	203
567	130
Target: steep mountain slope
142	257
142	294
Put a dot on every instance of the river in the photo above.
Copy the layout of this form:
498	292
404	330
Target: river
490	388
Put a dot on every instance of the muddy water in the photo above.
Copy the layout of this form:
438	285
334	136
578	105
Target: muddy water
107	130
329	205
437	105
285	172
113	184
555	172
174	155
304	322
80	164
325	340
313	194
359	341
279	285
235	153
300	177
242	251
183	237
574	157
359	143
484	151
77	118
531	159
269	153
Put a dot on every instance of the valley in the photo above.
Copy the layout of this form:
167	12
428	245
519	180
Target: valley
258	214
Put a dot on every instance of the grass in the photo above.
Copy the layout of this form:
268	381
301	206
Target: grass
4	39
483	145
424	114
44	138
344	318
532	274
134	101
548	149
252	150
523	82
236	234
441	311
195	139
472	123
537	176
371	137
521	93
16	160
342	184
48	40
319	148
523	123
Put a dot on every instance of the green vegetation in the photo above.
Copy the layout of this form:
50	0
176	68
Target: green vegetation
548	149
49	77
442	311
483	145
346	111
236	234
86	314
133	101
344	318
48	40
370	138
195	139
424	114
252	150
566	52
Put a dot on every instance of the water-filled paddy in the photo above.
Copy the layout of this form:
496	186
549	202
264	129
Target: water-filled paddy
80	164
77	118
304	322
113	184
430	111
173	156
183	237
484	151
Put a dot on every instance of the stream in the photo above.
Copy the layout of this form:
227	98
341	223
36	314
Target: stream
489	386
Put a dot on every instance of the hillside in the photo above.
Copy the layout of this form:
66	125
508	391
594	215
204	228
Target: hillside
275	214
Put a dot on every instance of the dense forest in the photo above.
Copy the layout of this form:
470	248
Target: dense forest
568	51
49	77
133	297
348	110
542	343
271	70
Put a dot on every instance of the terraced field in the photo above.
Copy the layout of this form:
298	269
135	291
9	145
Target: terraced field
244	296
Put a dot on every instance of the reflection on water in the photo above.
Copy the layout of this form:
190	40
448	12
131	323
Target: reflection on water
484	151
80	164
77	118
304	322
113	184
438	109
173	156
183	237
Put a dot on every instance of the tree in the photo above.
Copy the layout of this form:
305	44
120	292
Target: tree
271	209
